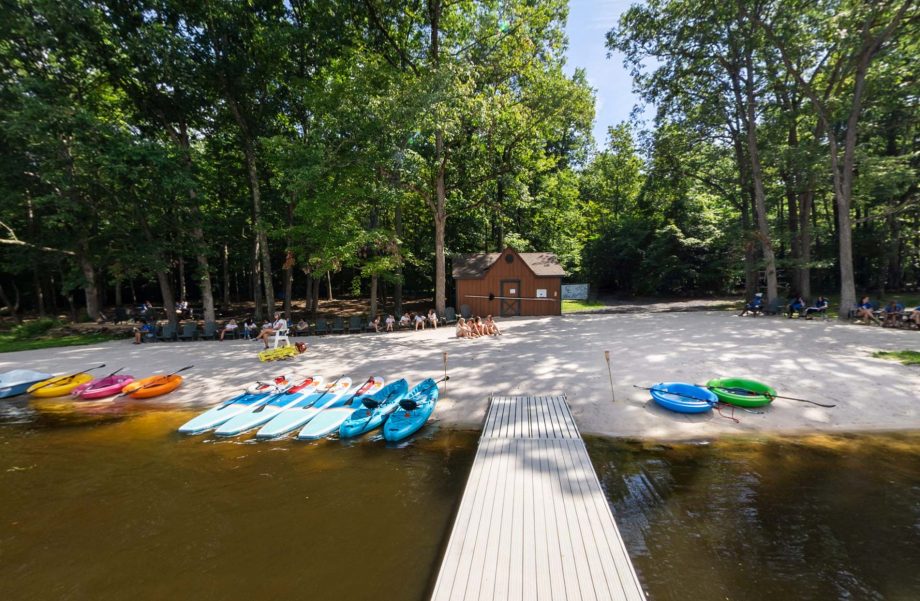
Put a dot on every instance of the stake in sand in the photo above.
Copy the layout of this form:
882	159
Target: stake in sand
610	375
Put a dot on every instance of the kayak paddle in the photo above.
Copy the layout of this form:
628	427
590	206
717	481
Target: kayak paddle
325	392
775	396
409	404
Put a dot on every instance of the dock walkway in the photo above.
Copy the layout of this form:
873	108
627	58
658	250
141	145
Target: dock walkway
533	523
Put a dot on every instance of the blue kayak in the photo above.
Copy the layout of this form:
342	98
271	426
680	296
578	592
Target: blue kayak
227	410
376	408
683	398
413	411
19	380
267	411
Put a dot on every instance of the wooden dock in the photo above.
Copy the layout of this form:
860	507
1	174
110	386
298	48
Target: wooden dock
533	523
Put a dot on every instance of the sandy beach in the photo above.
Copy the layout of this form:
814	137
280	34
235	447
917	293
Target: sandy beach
823	361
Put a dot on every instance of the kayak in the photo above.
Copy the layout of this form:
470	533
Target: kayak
258	415
18	381
375	410
227	410
330	418
413	411
101	387
58	386
741	392
683	398
146	388
304	410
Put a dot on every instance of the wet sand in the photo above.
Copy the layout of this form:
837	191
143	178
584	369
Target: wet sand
822	361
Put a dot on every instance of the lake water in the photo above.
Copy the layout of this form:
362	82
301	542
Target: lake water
112	504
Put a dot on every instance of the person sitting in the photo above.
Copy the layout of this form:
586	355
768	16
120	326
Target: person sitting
404	320
865	310
419	321
914	317
142	331
302	328
390	322
820	306
249	326
893	310
433	318
230	326
375	323
797	305
463	330
279	325
755	306
492	327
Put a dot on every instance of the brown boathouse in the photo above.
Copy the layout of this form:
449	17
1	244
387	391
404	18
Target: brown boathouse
509	283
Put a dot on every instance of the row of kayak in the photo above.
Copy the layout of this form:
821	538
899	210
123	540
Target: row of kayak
319	408
690	398
83	386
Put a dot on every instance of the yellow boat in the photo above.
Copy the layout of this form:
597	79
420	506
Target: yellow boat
58	385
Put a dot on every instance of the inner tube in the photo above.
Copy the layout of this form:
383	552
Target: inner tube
741	392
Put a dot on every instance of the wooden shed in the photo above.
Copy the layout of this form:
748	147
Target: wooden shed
509	283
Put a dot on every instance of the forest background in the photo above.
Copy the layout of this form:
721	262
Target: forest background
264	151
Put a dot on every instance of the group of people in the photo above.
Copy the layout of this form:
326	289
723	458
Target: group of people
796	305
889	316
474	327
407	320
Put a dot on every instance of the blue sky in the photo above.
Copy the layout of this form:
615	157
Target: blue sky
589	21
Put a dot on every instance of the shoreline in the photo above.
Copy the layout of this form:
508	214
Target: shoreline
822	361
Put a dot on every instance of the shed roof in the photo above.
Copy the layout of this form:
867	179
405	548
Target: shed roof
476	265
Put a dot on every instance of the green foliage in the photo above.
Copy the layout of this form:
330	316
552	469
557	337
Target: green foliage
905	357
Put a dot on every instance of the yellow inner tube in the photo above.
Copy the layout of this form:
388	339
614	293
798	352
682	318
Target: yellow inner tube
58	385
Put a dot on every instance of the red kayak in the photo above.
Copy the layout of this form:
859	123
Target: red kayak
101	387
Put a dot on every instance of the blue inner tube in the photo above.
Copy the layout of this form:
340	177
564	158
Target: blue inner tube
683	398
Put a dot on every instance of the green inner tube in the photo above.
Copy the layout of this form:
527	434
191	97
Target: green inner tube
741	392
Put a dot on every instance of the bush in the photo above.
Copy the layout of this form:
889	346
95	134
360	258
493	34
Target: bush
33	329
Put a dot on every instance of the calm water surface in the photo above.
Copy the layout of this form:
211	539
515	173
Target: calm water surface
111	504
818	518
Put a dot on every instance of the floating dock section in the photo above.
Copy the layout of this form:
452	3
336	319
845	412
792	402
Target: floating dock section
533	523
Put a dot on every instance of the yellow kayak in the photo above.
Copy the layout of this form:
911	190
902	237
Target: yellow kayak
58	386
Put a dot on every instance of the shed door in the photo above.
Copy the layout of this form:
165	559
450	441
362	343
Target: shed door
511	298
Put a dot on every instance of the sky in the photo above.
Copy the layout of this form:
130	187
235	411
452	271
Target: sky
589	21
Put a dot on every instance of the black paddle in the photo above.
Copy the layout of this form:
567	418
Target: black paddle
261	407
157	382
747	392
58	380
410	405
93	386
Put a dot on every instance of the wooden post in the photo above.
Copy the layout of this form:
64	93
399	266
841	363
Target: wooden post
445	373
610	375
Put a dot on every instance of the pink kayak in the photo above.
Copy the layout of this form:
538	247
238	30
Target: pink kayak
101	387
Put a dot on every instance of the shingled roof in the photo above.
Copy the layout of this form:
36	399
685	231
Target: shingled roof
475	265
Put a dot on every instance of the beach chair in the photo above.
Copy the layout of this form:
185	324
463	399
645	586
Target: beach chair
168	333
338	326
775	307
281	336
121	315
465	311
321	327
450	315
210	331
189	331
355	324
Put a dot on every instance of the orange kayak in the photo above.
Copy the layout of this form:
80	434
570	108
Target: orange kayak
152	386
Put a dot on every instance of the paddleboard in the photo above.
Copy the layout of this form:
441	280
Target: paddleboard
306	409
330	418
256	416
231	408
18	381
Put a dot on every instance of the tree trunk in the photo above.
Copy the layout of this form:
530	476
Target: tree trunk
119	299
12	307
39	293
329	284
806	202
308	296
288	288
316	296
226	275
398	285
373	296
252	170
440	199
169	300
183	293
89	287
256	281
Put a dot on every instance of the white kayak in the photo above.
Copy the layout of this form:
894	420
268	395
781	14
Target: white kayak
18	381
230	409
330	418
296	415
265	412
